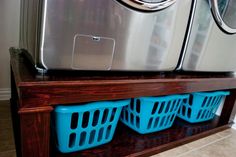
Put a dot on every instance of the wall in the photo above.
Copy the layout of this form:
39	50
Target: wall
234	126
9	35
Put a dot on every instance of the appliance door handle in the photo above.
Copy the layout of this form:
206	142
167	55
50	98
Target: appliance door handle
217	16
149	6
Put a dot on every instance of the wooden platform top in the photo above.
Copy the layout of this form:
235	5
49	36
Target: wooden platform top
81	86
27	76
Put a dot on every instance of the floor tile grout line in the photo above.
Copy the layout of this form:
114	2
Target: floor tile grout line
220	134
186	145
210	143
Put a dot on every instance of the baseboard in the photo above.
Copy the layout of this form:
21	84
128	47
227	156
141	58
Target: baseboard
5	93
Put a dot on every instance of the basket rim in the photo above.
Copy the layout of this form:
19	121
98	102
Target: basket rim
91	106
166	97
216	93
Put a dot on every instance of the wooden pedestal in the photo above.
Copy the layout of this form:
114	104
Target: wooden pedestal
35	95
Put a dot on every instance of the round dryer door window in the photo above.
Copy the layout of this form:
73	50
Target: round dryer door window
149	5
224	12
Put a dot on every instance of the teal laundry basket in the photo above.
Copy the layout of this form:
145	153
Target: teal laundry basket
85	126
151	114
201	106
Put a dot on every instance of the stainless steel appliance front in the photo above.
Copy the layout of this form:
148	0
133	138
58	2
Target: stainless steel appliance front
212	39
144	35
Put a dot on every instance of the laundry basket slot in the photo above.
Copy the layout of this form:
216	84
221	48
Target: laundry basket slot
201	106
151	114
80	127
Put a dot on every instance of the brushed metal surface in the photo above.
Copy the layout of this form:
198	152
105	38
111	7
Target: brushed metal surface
144	41
209	47
185	45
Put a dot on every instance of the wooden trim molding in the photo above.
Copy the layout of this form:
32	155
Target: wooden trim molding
5	93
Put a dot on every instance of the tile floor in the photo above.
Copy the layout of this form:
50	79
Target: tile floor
222	144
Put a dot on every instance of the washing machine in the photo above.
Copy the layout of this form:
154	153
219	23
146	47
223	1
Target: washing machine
119	35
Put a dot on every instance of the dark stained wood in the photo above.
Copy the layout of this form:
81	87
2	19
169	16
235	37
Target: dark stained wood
16	126
107	91
35	133
228	111
14	115
34	95
34	109
129	143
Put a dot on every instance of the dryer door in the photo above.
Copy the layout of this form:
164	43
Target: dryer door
149	5
224	12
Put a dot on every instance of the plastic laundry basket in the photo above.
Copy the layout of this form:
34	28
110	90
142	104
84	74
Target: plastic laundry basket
85	126
151	114
201	106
